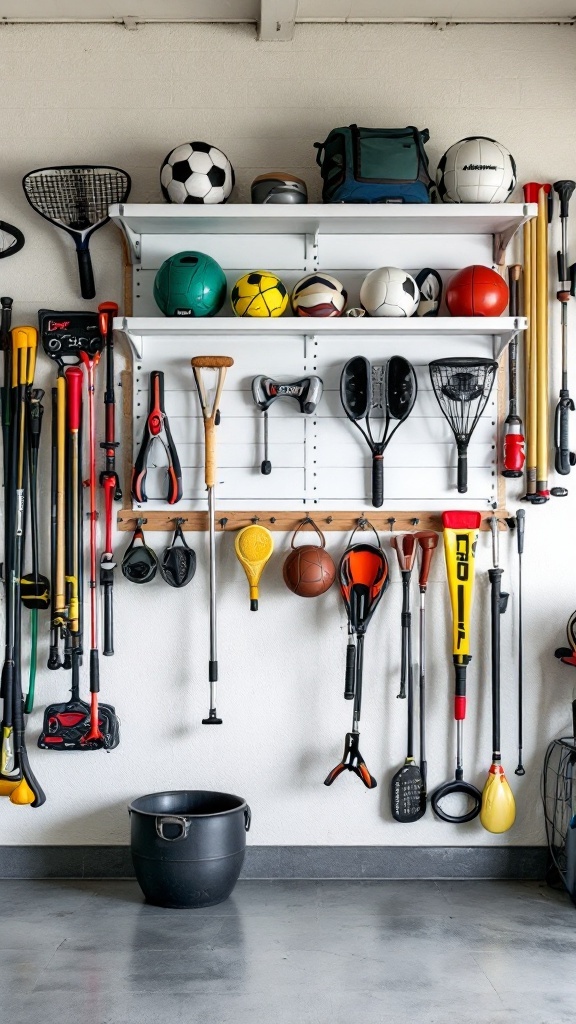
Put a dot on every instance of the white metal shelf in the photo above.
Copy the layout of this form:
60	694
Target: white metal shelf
500	220
502	329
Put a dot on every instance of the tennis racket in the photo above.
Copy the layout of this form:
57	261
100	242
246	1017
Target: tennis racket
77	199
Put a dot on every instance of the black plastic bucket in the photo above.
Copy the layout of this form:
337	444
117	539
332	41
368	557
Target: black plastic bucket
188	846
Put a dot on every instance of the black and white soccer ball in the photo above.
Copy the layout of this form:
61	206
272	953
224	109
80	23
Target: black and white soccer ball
389	291
196	172
476	170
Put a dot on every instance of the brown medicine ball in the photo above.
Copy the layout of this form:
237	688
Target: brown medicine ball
309	571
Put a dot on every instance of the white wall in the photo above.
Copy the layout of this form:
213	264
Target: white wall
103	94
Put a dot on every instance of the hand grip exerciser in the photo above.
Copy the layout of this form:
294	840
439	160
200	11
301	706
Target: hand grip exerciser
307	392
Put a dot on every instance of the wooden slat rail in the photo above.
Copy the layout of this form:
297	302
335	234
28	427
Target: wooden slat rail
284	521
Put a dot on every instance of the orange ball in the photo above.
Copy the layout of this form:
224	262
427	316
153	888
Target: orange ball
309	571
476	291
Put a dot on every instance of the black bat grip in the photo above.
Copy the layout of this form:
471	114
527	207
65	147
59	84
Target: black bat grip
462	471
377	481
564	190
350	685
108	647
87	288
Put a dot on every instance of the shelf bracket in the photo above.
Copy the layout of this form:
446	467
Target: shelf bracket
136	341
311	252
134	239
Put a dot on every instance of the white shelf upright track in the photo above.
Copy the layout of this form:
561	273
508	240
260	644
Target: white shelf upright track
320	463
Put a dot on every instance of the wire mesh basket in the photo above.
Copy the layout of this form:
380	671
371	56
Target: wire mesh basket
559	802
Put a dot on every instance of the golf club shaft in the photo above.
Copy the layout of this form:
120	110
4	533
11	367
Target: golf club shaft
213	664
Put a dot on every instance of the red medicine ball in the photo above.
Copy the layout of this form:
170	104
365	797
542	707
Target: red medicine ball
477	291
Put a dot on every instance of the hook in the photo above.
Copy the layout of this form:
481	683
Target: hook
140	522
414	521
254	520
391	522
272	519
180	520
329	519
362	523
222	522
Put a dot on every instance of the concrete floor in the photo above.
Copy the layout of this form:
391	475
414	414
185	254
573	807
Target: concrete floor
289	953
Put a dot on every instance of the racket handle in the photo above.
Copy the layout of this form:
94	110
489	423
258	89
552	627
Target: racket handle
74	382
462	471
87	288
350	685
377	480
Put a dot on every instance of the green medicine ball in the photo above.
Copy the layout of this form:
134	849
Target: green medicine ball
190	284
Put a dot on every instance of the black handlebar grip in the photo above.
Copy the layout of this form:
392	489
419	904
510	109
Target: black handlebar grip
462	471
564	190
94	672
350	685
266	467
87	288
377	480
108	647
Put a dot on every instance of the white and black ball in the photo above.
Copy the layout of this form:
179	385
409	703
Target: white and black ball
196	172
389	291
319	295
476	170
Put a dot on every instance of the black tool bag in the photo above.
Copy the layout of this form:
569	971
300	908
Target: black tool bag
66	725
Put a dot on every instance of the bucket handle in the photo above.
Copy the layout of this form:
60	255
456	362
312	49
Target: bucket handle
247	818
172	819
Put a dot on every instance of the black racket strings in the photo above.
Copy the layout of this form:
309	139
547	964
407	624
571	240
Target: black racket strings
78	198
462	392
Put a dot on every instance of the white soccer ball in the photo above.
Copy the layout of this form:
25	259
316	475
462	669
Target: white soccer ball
319	295
389	291
476	170
196	173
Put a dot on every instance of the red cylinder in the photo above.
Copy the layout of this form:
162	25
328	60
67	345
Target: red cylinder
476	291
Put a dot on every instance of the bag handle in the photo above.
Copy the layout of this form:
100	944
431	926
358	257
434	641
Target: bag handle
247	818
309	522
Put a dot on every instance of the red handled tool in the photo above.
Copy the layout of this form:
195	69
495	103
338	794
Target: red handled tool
514	437
157	428
94	734
109	479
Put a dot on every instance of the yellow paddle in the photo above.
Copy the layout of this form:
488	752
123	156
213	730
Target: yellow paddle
254	546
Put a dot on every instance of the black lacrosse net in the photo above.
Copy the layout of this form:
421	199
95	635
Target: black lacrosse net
78	197
462	388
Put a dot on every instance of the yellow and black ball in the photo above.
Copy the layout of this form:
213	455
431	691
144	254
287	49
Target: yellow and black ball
259	293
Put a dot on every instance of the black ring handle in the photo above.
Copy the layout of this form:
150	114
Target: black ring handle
456	786
247	818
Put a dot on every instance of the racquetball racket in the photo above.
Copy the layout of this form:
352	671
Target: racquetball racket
77	199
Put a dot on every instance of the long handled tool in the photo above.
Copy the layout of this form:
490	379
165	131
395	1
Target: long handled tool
211	417
460	539
54	660
254	546
564	457
531	376
427	542
35	588
462	387
17	779
5	390
520	523
363	578
94	734
513	456
109	480
498	807
536	308
378	394
405	548
407	790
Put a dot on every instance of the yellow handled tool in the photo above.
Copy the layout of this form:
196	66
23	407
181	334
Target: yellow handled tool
460	539
498	805
254	546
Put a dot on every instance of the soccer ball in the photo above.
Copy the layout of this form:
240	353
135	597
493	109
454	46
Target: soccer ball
196	173
259	293
190	284
389	291
319	295
476	170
